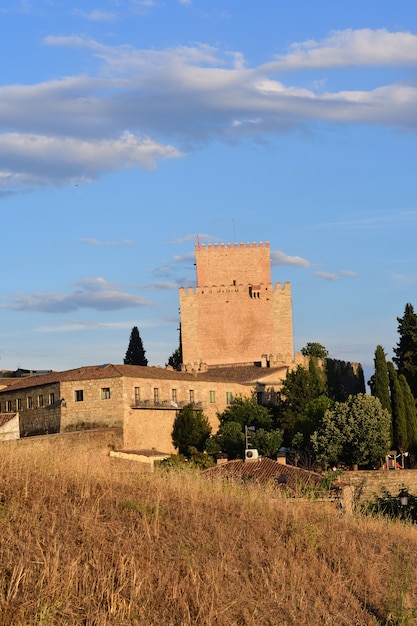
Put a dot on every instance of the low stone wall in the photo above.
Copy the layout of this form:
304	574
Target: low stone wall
103	440
370	483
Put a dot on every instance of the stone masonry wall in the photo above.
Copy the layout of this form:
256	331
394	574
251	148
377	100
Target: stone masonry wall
370	483
233	265
95	408
227	325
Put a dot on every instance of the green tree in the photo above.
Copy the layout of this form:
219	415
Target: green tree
135	354
315	349
230	437
267	442
406	350
190	431
410	413
247	412
399	420
175	360
379	382
353	432
299	388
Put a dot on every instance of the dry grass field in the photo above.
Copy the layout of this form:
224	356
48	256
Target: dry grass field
86	540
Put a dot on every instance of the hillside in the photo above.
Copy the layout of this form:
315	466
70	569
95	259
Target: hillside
87	540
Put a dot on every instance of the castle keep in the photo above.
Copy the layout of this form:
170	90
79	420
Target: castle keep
235	315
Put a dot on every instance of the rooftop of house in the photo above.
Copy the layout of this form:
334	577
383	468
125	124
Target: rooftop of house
265	470
247	374
6	417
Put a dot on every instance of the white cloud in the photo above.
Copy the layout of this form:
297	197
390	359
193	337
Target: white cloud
334	275
29	160
94	293
97	16
346	48
96	242
195	238
184	258
77	325
164	286
327	275
142	104
278	257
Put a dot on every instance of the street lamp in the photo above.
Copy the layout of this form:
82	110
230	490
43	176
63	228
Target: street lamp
403	496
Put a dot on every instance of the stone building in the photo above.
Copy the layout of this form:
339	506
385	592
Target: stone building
237	340
235	315
143	400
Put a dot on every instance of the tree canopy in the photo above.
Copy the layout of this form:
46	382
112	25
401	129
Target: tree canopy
230	438
406	349
357	431
379	382
191	429
135	354
312	348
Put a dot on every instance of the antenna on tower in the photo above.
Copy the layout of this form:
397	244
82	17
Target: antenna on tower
234	234
198	242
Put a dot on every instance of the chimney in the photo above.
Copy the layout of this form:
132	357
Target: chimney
221	458
282	456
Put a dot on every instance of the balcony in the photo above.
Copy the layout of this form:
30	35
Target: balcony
163	404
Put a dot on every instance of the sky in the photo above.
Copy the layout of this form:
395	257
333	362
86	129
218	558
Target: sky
129	127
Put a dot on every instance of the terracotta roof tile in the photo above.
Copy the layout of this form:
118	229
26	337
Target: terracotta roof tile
264	470
6	417
246	374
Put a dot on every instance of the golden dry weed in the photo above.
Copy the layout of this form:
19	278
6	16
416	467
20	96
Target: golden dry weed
87	540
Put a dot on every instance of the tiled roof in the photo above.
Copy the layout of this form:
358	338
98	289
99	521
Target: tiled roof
6	417
264	470
246	374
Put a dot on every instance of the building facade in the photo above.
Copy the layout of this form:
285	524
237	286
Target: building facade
142	400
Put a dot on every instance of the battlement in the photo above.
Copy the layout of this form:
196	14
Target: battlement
284	288
229	246
237	264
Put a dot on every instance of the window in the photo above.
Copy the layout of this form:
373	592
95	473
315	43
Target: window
191	396
105	393
156	395
212	396
79	395
51	398
19	404
229	397
9	406
30	402
174	395
137	395
40	400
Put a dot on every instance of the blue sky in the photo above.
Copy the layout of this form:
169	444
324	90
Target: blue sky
128	127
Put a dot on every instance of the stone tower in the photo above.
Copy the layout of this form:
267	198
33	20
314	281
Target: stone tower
236	316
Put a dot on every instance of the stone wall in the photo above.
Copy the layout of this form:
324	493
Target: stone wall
370	483
95	408
233	265
211	397
149	429
101	441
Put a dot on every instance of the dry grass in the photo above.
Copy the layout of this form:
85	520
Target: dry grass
90	541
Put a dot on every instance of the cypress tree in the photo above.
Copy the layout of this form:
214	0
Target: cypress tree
406	350
135	354
410	413
379	382
399	423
